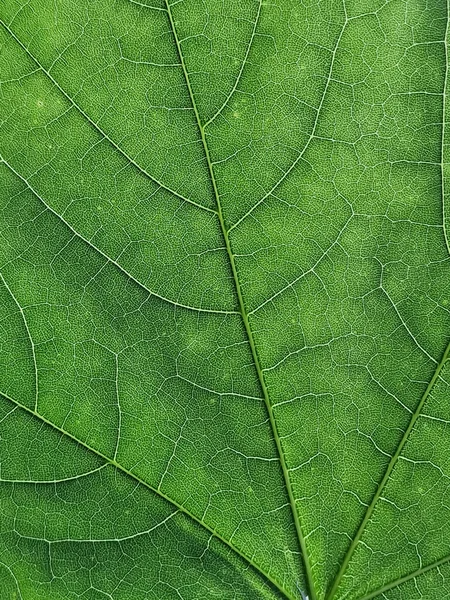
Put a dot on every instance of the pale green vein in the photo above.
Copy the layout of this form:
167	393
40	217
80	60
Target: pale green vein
406	578
14	578
313	130
119	407
286	476
241	70
210	390
443	162
311	269
387	476
149	6
33	349
100	130
53	481
404	323
159	493
108	258
7	415
102	540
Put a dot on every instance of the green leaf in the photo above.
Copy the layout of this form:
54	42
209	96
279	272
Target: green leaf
224	300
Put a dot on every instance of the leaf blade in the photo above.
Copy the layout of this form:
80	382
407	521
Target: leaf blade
331	351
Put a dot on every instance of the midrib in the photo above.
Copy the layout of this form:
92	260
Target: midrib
301	539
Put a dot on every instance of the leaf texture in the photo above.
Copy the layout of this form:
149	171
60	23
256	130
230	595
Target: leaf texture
224	300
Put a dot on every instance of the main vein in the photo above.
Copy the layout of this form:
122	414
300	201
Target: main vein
301	538
387	474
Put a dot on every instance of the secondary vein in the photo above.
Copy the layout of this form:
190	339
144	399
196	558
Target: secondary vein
387	475
180	507
243	311
107	257
33	347
99	129
406	578
430	386
241	70
444	110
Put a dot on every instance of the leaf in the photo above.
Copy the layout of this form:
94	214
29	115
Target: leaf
224	300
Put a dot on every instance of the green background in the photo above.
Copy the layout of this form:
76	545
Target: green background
224	300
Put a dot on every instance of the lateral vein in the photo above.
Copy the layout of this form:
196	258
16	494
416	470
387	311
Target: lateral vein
99	129
33	348
241	70
406	578
313	130
136	478
108	258
387	475
444	110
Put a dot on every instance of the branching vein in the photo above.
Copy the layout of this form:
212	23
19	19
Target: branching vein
98	128
286	476
108	258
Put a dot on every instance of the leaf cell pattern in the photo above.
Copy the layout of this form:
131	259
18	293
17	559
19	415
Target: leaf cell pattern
224	300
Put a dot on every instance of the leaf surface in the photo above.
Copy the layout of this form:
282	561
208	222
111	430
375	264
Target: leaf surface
224	300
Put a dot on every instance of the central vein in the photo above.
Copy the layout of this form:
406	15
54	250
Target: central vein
243	312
